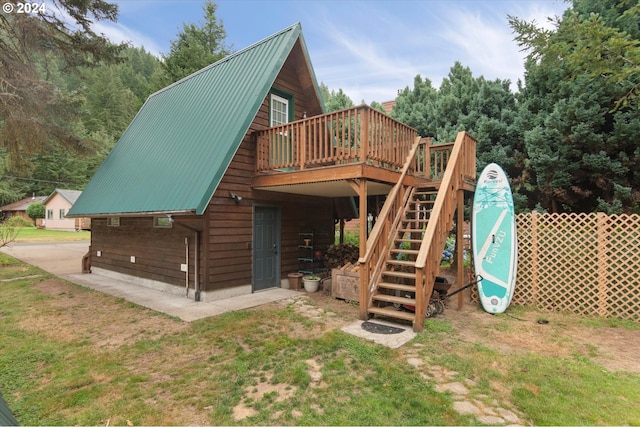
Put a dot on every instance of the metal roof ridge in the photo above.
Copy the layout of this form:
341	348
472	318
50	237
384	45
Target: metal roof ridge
229	57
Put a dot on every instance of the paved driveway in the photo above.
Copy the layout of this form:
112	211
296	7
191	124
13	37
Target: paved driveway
59	258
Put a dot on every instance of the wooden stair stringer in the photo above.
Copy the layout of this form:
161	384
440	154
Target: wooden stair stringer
379	267
395	277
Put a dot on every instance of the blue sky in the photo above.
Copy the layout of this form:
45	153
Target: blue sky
369	48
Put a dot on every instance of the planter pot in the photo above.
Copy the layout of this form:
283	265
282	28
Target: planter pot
311	285
294	280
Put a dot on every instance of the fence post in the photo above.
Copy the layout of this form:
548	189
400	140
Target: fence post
534	256
602	260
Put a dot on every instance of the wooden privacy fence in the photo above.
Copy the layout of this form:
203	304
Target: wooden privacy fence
584	263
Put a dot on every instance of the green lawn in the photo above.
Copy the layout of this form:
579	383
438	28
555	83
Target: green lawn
32	234
72	356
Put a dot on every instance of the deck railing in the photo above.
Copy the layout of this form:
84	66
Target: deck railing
454	165
355	135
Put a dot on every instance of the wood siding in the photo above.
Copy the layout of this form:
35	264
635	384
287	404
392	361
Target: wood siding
226	237
158	252
230	223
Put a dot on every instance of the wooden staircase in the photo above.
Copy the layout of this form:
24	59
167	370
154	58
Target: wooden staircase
404	249
397	286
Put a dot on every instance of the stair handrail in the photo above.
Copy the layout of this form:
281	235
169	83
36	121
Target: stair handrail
378	240
458	168
391	231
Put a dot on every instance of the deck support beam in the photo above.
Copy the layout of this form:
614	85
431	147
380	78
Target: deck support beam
362	194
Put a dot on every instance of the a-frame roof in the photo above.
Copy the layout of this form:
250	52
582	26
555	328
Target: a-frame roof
176	150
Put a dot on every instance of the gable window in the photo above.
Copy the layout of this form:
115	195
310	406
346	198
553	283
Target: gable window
279	108
61	213
113	221
49	213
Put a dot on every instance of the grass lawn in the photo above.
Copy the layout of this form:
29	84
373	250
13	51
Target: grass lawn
32	234
72	356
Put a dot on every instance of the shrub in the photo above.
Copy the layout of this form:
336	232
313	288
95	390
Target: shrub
18	221
36	210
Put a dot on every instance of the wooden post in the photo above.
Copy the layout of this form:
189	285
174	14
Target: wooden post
602	236
460	247
427	159
364	142
534	257
303	138
364	274
302	146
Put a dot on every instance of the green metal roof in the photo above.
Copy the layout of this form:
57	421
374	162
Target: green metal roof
176	150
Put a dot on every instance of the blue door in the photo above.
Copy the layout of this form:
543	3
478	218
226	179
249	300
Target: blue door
266	248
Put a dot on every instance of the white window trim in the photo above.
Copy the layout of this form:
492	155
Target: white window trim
113	221
282	100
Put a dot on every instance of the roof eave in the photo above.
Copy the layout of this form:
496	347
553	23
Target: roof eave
131	214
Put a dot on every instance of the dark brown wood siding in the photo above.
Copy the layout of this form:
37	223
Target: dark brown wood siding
230	235
158	252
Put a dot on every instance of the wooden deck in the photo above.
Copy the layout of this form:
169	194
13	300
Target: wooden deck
322	155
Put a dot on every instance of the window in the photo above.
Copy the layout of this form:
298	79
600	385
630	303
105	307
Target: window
49	213
61	213
279	110
162	222
113	221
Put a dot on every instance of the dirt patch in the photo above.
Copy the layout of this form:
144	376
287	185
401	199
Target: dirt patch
267	393
72	315
558	334
264	390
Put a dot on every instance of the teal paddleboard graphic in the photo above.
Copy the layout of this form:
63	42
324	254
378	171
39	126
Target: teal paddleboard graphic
494	239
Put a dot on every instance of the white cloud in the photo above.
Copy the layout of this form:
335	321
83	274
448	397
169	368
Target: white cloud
485	45
365	64
118	33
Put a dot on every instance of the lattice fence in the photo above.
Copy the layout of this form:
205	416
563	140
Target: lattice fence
584	263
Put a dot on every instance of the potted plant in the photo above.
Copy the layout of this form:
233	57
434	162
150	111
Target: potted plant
311	282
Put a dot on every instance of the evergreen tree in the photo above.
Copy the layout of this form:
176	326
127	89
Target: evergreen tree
580	121
196	46
485	109
334	101
33	109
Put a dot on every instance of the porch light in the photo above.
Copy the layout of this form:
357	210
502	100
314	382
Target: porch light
236	197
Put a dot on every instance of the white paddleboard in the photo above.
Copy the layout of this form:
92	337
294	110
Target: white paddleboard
494	240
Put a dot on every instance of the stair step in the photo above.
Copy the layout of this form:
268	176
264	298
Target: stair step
407	240
390	312
410	230
397	286
394	299
404	251
401	274
415	211
401	262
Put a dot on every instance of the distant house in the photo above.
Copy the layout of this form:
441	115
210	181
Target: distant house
388	106
57	206
19	208
233	177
